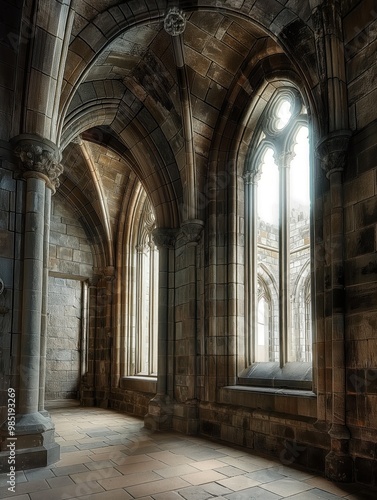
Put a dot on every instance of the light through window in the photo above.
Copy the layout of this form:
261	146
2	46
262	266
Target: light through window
278	239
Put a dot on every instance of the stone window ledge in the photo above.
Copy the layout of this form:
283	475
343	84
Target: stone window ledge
294	375
300	403
139	383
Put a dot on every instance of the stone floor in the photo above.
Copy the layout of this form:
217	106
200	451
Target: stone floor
109	455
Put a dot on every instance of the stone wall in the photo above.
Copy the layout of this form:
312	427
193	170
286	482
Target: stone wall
71	264
360	201
11	233
64	339
70	251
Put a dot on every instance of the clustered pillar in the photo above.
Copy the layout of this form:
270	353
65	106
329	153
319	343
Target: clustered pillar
160	410
35	444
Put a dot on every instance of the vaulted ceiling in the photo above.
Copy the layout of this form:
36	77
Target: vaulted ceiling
152	105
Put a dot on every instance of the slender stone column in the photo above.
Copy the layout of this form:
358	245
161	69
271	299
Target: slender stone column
283	160
159	414
39	160
46	243
332	151
251	179
192	230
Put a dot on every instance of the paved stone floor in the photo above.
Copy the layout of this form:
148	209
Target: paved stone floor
109	455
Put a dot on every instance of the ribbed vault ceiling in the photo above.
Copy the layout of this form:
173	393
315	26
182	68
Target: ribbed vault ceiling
132	93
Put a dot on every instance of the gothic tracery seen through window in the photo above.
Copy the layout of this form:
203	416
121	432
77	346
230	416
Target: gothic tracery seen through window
278	235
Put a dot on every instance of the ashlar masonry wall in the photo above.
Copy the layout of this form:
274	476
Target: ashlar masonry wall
71	267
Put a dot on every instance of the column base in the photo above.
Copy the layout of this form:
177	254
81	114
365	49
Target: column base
160	414
186	417
33	444
339	467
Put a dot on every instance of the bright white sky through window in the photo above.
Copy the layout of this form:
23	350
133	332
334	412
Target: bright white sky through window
268	184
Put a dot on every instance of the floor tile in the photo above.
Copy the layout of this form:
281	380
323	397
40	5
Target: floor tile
314	495
202	477
26	487
75	491
167	495
255	493
265	475
195	493
95	475
70	469
108	495
171	484
179	470
238	483
286	487
230	471
58	482
208	464
129	480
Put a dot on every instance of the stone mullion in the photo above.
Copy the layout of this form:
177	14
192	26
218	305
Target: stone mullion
139	307
153	309
283	162
251	263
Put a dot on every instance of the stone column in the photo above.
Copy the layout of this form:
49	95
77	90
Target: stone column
283	161
46	243
251	261
332	151
36	447
160	409
192	231
103	337
87	387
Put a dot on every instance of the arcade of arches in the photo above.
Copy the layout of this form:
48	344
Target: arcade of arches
188	213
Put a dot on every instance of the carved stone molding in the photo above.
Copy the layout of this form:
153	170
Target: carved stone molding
284	159
332	151
192	230
164	237
41	157
175	22
252	176
109	273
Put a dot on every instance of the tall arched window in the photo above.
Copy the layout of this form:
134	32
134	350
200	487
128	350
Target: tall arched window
142	323
278	238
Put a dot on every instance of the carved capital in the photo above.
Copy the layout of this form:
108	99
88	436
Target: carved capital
252	177
41	157
332	151
164	237
284	158
192	230
175	22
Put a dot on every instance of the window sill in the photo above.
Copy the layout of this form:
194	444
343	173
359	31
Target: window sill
293	376
292	402
139	383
